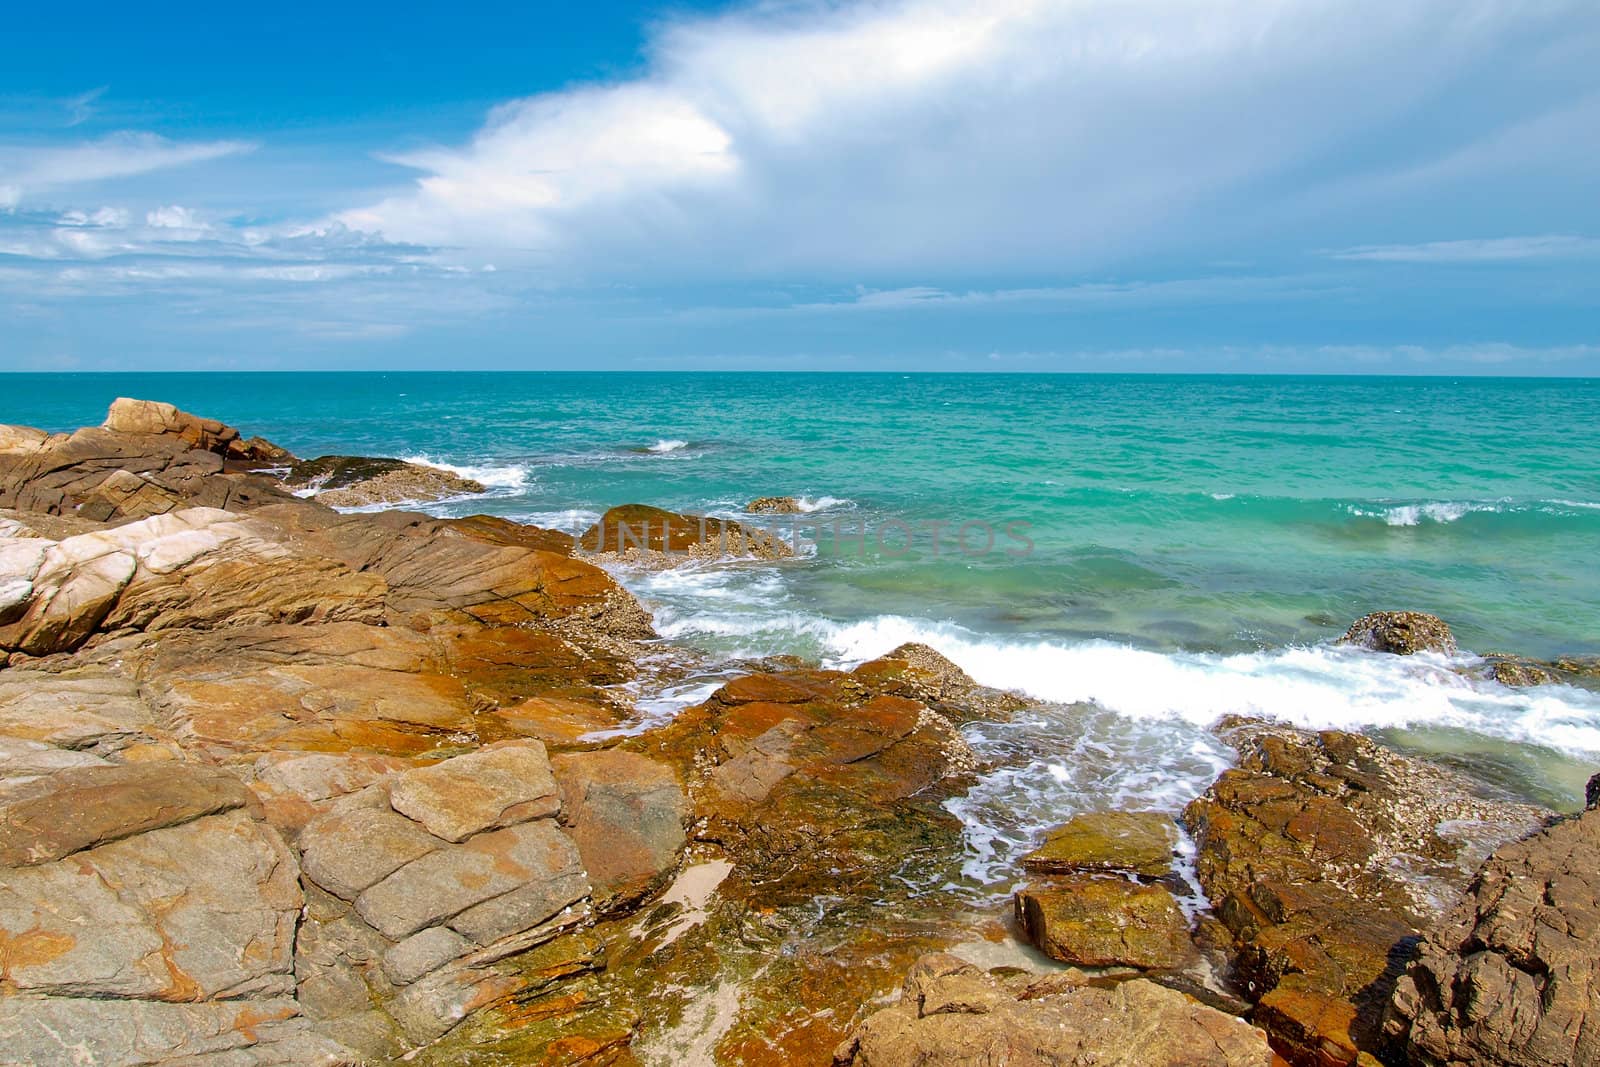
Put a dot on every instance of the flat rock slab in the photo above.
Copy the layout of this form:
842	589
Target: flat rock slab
953	1015
1141	842
82	807
443	884
1105	922
345	852
497	786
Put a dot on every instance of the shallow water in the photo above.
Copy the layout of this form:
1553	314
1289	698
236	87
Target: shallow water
1193	543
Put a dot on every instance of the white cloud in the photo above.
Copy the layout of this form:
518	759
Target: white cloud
1491	250
30	170
975	136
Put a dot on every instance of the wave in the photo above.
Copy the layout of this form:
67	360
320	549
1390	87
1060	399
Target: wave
666	445
822	503
570	520
1447	511
1317	687
509	477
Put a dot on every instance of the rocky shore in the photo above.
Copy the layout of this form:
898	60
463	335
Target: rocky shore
281	784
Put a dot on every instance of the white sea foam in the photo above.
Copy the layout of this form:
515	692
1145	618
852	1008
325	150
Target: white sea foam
1221	496
571	520
1440	511
1317	687
666	445
822	503
510	477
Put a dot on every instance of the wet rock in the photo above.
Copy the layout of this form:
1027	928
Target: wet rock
1141	843
1511	975
1325	856
923	673
1591	795
627	814
774	505
952	1013
640	533
812	777
361	481
1402	633
1105	922
502	784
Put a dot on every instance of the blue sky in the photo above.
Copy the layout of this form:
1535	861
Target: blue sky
1206	185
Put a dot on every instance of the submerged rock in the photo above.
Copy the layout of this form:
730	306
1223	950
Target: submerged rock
951	1014
644	534
361	481
1403	633
774	505
1511	976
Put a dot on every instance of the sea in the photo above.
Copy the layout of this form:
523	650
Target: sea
1139	555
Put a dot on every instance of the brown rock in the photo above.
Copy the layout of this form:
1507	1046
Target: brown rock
1105	922
638	531
773	505
1403	633
1140	842
361	481
83	807
207	435
1511	976
1325	855
952	1014
626	813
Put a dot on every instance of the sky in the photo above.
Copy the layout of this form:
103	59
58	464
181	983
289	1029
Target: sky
1296	186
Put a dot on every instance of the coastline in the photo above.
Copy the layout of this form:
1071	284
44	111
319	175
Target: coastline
375	701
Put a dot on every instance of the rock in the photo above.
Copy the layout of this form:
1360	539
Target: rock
424	952
77	709
950	1013
82	807
651	535
1140	842
1519	673
1592	793
503	784
197	568
774	505
1105	922
494	530
345	852
1511	975
1403	633
361	481
237	1033
207	435
627	814
443	884
923	673
21	440
808	777
1325	856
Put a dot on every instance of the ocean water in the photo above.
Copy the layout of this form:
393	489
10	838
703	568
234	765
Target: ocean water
1166	550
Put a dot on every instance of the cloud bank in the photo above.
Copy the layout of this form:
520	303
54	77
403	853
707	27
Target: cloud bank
962	138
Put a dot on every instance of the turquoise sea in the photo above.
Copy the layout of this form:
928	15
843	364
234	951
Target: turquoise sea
1194	543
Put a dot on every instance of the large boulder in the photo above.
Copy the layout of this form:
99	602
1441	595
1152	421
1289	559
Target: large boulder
951	1014
1510	977
206	435
644	534
1138	842
1325	856
198	568
1403	633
